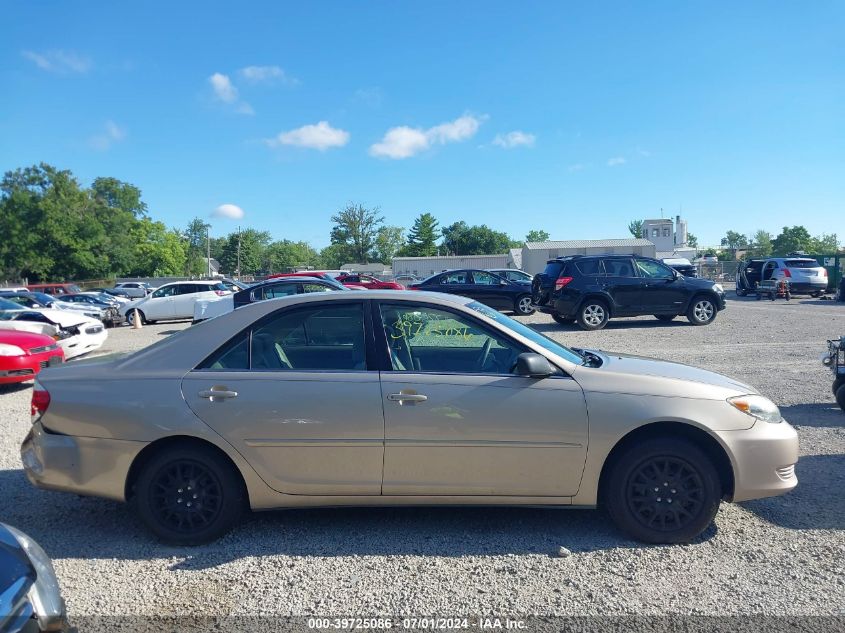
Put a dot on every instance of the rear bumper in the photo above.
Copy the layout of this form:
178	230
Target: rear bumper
763	459
83	465
807	287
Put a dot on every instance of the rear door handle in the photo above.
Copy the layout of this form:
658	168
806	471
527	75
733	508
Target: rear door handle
407	397
217	394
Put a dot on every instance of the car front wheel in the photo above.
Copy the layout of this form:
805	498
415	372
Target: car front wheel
662	490
189	495
593	315
523	305
702	311
840	397
130	317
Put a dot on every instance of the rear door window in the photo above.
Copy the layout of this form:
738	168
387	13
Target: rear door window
619	267
589	267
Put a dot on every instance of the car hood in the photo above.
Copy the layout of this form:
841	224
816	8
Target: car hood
63	318
626	373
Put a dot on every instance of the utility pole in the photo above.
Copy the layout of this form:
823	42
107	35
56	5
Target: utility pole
208	250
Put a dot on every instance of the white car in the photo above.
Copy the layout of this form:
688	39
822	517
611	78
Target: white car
75	333
135	289
173	301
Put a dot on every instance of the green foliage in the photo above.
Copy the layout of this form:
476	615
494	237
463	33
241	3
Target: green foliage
334	256
159	252
733	239
462	239
761	244
389	240
692	240
825	244
252	246
796	238
536	235
285	256
422	237
635	228
356	228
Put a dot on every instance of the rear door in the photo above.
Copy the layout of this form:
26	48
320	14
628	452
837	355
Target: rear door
296	397
623	285
459	422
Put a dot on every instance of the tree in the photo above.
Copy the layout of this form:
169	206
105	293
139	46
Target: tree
197	247
796	238
461	239
635	228
692	240
286	256
734	240
536	235
118	207
334	256
422	237
824	244
356	228
252	246
761	244
159	253
389	240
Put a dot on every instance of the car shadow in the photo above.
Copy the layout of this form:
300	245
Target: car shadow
821	414
613	324
15	387
818	503
69	526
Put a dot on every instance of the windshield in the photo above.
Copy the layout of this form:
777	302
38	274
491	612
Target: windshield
527	332
5	304
801	263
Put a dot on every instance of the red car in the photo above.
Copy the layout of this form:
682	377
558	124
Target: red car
24	354
368	281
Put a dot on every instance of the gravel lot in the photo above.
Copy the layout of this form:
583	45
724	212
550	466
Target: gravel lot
774	556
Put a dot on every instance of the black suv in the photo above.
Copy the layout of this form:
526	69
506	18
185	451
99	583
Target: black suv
592	289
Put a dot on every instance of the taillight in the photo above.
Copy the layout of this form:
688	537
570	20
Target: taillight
824	272
561	282
413	288
40	401
786	272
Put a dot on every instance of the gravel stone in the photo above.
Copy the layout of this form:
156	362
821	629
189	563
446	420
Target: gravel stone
775	556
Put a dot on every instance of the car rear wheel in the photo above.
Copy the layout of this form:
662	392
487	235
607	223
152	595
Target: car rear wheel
741	292
662	491
523	305
837	383
189	495
702	311
817	294
840	397
664	317
593	315
562	319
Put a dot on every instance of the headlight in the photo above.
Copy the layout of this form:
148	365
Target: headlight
718	288
11	350
758	407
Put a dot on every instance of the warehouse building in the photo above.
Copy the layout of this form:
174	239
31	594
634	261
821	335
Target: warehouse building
426	266
535	254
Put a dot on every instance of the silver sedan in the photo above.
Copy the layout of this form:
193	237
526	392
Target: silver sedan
402	398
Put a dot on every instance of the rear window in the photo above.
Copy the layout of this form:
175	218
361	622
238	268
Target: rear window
553	270
801	263
589	267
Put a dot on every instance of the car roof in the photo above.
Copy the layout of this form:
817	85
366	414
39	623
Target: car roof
292	279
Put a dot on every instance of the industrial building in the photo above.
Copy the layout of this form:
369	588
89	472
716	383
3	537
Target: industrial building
535	254
426	266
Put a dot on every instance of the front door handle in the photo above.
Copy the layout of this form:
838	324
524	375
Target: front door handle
402	398
217	393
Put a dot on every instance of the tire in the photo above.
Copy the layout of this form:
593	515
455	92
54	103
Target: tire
562	319
129	317
664	317
840	397
741	292
836	384
759	297
638	509
218	486
593	315
702	310
522	305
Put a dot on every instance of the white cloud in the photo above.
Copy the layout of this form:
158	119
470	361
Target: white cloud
404	142
513	139
228	211
223	88
616	160
321	136
59	61
267	74
112	133
576	167
225	91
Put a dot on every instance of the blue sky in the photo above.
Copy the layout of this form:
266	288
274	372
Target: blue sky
573	118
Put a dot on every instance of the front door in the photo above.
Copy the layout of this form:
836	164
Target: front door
458	422
160	303
295	397
664	292
488	289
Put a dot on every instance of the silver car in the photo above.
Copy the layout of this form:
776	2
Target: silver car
399	398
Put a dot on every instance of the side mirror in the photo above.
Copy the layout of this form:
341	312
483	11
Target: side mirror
533	365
